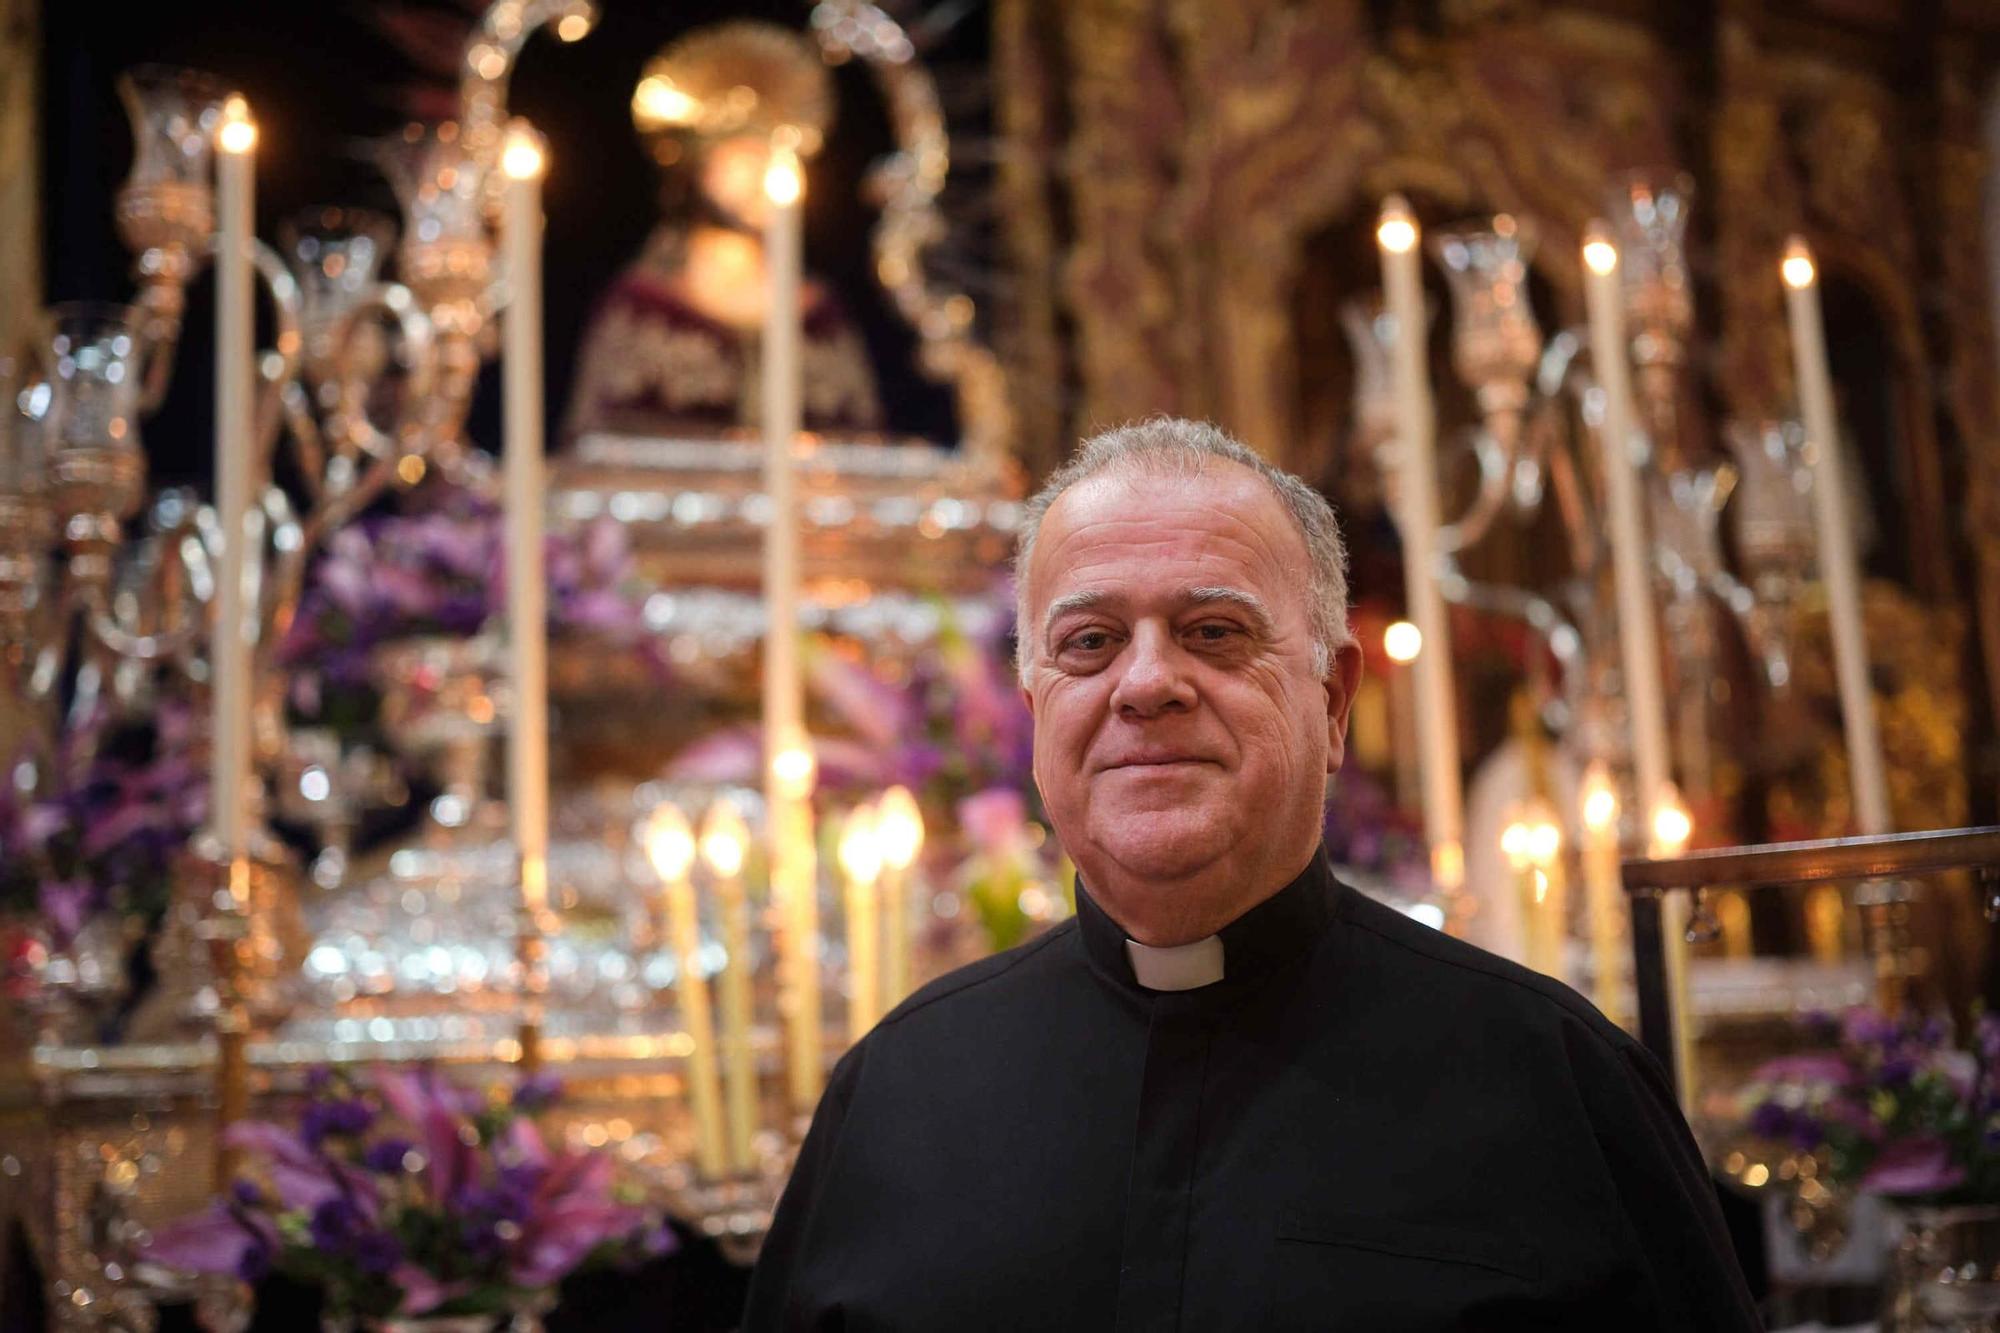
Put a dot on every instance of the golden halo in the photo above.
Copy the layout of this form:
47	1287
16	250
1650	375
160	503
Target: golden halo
740	77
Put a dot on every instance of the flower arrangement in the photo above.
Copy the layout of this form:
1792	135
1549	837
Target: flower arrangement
1891	1105
443	572
413	1197
120	798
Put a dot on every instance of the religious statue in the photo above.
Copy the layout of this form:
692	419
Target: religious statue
673	346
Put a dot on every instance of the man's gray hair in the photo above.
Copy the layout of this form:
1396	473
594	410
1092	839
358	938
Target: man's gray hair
1174	447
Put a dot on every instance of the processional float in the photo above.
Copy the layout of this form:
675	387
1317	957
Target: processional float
455	948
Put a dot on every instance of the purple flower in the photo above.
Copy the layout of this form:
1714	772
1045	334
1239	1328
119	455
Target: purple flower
386	1156
343	1118
1912	1166
537	1092
302	1177
226	1238
335	1222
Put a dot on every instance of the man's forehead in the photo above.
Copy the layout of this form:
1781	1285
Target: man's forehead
1222	501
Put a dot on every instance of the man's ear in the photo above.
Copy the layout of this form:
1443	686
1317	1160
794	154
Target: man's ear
1341	683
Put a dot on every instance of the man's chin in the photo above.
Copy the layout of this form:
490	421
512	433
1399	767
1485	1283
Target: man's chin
1162	845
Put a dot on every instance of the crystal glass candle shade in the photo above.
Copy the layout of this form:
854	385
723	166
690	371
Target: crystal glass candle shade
1772	510
1649	214
96	468
166	208
336	255
446	256
1495	340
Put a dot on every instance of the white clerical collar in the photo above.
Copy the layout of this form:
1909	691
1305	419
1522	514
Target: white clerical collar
1177	966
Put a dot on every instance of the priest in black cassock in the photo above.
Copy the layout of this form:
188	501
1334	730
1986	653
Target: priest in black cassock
1233	1093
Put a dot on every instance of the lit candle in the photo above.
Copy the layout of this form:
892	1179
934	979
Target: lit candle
1401	642
1638	640
861	868
723	839
1672	827
523	161
1437	715
901	827
671	848
1839	568
784	707
236	476
788	756
1604	897
795	887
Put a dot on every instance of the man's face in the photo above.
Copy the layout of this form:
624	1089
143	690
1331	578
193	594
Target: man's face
1182	737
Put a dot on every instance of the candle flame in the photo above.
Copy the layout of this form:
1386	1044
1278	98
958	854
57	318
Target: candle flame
901	826
1533	838
1397	231
724	839
861	846
1599	254
1402	641
669	842
793	768
523	158
238	133
1673	826
1798	266
1600	799
784	183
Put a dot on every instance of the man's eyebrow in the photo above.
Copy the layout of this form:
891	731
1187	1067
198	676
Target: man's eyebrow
1072	601
1250	603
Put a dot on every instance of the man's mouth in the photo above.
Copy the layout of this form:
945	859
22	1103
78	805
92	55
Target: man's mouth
1157	761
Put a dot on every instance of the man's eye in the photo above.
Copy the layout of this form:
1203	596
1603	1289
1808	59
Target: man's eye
1089	641
1215	632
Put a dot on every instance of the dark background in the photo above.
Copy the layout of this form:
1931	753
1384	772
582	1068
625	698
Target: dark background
322	79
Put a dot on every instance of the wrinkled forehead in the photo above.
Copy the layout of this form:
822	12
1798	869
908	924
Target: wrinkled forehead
1220	513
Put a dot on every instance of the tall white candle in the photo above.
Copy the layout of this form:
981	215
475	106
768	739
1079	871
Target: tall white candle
794	875
723	839
1437	713
236	473
523	161
784	184
670	846
1839	567
1638	638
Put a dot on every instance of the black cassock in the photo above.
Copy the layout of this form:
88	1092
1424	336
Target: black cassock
1365	1125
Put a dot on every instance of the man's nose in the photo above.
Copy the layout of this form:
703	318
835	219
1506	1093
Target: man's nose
1155	678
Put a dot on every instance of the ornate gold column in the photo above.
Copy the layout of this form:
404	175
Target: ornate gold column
20	170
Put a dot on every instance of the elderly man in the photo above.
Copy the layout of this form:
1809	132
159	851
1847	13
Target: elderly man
1232	1093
